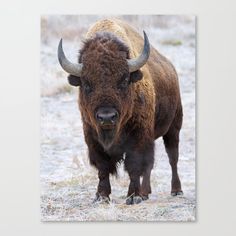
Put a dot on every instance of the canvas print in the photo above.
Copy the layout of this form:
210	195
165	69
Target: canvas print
117	118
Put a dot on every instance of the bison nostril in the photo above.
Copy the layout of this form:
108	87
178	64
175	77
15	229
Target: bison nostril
114	117
99	118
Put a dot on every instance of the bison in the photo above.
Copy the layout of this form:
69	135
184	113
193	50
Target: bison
128	97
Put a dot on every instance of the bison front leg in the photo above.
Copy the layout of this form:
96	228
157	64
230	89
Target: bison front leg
139	163
104	187
133	165
134	196
146	186
99	159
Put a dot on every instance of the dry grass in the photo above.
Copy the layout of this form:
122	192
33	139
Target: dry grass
68	182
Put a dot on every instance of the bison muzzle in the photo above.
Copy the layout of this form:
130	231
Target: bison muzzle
128	97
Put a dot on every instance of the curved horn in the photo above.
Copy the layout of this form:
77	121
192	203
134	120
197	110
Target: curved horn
71	68
136	63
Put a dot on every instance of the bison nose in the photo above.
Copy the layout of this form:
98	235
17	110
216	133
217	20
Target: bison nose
107	116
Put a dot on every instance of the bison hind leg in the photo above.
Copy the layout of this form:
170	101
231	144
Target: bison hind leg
171	141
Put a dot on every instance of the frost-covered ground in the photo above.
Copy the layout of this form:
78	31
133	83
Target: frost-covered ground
68	182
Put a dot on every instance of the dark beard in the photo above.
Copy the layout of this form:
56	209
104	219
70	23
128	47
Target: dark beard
106	137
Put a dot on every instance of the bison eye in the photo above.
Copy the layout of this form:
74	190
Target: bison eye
87	88
124	84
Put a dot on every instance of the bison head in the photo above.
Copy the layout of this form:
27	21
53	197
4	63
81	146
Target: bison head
105	74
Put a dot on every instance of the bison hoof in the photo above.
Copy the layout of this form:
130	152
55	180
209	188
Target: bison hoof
177	193
145	198
101	199
133	200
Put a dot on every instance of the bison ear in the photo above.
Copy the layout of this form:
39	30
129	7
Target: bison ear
136	76
74	80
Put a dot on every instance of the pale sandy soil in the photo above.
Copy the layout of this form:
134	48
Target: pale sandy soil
68	182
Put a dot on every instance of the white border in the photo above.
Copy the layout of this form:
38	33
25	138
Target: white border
19	117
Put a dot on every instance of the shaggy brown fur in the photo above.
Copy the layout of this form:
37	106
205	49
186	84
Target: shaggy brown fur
147	101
